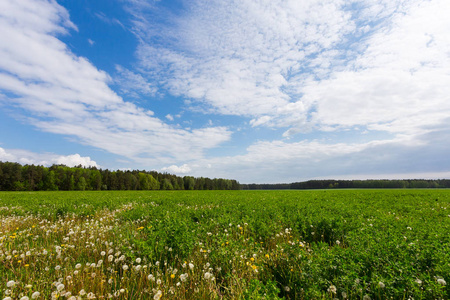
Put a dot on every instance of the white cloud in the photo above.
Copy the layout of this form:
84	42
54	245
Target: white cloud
183	169
322	65
66	94
46	159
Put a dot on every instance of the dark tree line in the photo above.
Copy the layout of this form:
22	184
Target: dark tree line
15	177
352	184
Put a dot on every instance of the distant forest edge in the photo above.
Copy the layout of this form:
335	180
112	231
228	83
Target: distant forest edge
15	177
353	184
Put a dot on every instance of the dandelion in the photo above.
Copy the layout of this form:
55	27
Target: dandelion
77	266
151	277
441	281
191	266
35	295
7	298
381	285
103	253
91	296
138	260
338	242
183	277
60	287
418	281
125	267
366	297
332	289
157	295
207	275
172	276
58	267
82	292
24	298
10	284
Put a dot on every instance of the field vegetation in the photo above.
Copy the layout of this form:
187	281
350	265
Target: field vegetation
333	244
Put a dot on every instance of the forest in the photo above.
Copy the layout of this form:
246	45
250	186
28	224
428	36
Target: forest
353	184
15	177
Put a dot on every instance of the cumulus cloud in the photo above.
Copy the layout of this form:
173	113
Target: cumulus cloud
65	94
183	169
46	159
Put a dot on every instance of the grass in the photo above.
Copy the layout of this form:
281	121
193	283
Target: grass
345	244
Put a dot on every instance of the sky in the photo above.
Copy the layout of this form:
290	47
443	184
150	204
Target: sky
261	91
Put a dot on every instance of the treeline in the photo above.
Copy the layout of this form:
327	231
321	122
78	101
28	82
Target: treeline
15	177
352	184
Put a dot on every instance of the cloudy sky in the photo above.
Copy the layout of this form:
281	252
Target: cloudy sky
260	91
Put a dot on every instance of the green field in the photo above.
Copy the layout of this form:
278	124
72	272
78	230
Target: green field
344	244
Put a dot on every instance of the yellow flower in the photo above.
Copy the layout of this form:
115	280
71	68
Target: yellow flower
252	259
267	256
172	276
27	265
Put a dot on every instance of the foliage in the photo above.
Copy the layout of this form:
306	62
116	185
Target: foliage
352	244
15	177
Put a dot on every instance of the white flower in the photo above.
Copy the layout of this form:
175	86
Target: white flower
366	297
418	281
10	283
122	291
125	267
158	282
138	260
60	287
183	277
35	295
332	289
25	298
151	277
91	296
338	242
58	267
158	295
7	298
191	266
110	258
82	292
381	285
77	266
208	275
441	281
103	253
137	268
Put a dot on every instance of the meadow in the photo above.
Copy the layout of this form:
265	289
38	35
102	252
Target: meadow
322	244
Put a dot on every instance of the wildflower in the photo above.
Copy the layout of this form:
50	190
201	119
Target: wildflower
158	282
418	281
7	298
77	266
366	297
172	276
10	283
82	292
158	295
267	255
138	260
103	253
208	276
381	285
91	296
35	295
122	291
125	267
137	268
344	295
110	258
191	266
332	289
287	289
338	242
183	277
441	281
24	298
58	267
151	277
60	287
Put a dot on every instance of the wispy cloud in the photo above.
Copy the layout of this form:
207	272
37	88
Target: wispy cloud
66	94
310	64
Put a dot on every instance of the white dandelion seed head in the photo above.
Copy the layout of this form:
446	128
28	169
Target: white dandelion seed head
10	283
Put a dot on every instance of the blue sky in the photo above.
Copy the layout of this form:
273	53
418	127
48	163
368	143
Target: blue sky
260	91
